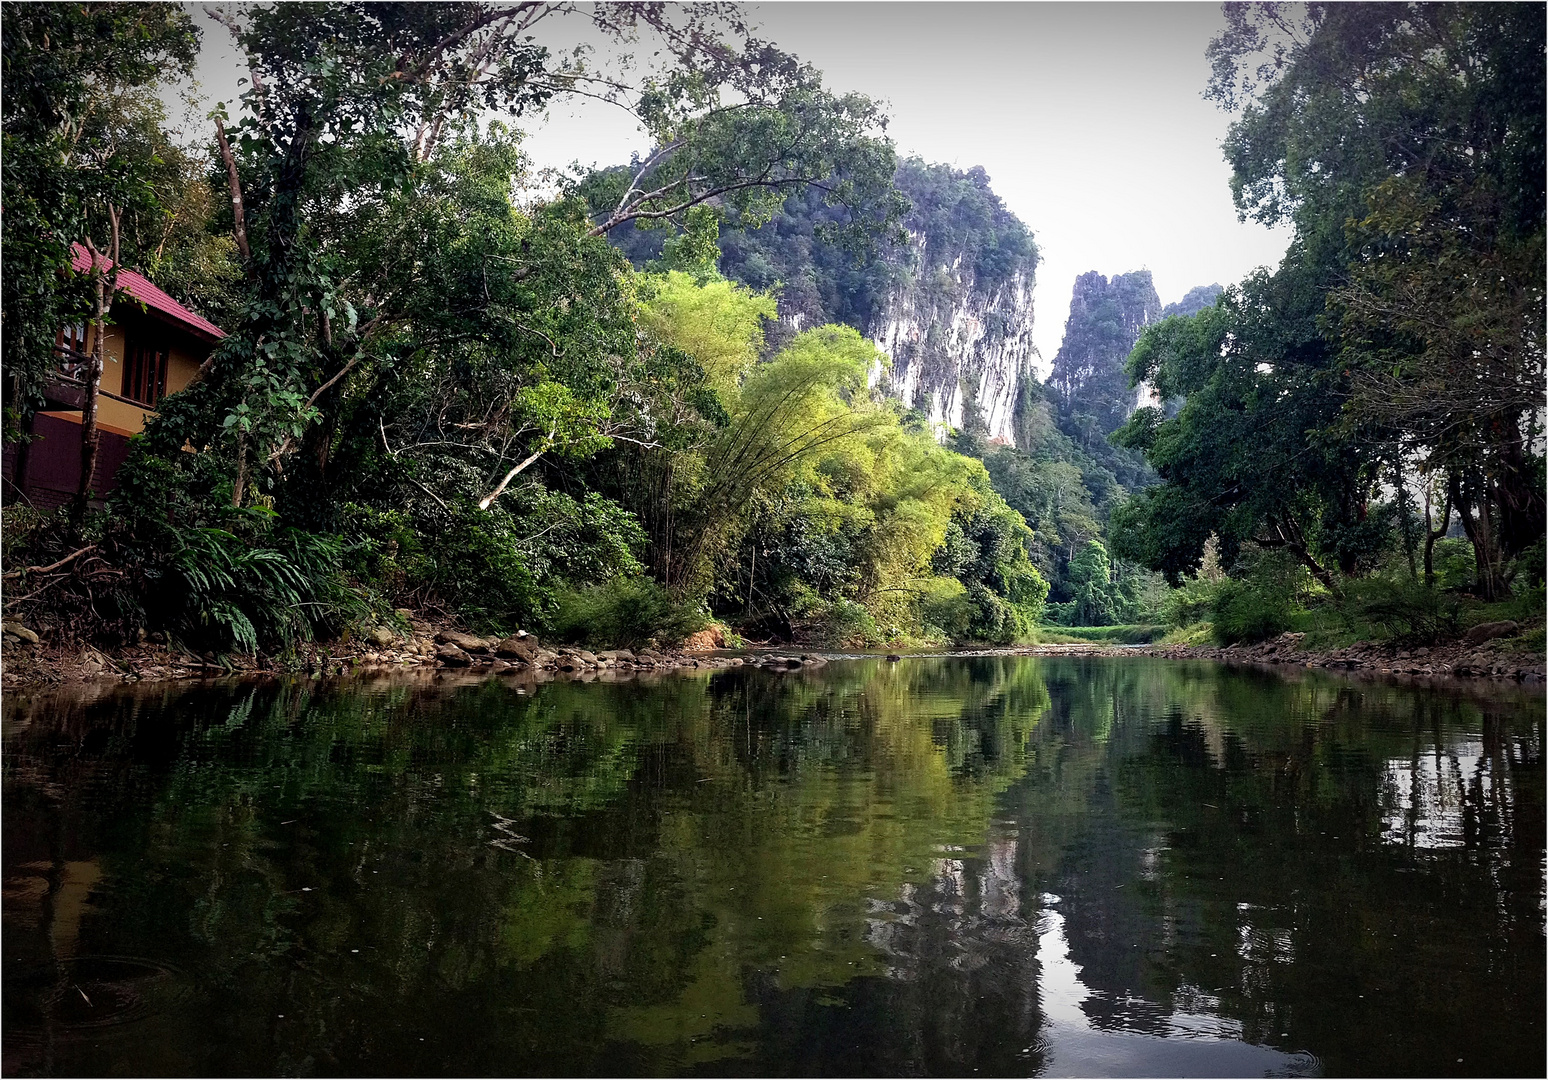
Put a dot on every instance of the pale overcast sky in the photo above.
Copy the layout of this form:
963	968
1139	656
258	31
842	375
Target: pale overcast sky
1087	117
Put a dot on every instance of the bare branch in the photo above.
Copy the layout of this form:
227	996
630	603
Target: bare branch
238	212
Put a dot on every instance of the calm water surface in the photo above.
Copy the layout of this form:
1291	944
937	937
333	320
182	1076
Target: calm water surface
1000	865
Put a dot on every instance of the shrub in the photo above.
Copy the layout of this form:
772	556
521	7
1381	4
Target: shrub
475	564
1528	568
847	623
1261	600
1250	611
1455	565
1059	614
625	613
1403	609
1192	602
221	592
945	609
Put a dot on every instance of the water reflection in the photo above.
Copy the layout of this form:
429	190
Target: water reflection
1013	866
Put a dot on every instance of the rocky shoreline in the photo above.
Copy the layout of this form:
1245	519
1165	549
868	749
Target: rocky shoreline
1485	655
421	645
30	661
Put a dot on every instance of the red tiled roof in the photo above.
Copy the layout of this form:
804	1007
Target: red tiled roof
140	288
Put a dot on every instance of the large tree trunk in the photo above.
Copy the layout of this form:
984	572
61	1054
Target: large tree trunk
1519	499
1480	529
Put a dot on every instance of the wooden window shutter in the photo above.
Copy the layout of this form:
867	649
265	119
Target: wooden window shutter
145	374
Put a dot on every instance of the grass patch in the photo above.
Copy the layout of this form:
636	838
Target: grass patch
1133	634
1533	643
1194	634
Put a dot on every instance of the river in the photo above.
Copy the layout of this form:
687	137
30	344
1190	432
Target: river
975	865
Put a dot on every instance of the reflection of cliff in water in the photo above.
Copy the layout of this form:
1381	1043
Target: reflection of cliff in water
959	993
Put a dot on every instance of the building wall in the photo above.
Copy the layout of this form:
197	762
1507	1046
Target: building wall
53	459
181	365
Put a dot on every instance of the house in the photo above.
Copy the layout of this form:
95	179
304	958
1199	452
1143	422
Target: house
151	348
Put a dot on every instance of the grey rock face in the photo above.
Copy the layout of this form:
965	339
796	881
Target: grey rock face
958	345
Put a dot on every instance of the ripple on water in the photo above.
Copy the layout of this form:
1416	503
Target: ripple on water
90	993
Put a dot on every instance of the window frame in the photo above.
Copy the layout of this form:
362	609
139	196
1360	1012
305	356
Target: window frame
138	376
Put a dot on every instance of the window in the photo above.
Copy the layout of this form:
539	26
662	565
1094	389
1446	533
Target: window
71	347
145	374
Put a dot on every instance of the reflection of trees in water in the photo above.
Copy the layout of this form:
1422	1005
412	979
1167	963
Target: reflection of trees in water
1236	850
834	871
534	876
1464	792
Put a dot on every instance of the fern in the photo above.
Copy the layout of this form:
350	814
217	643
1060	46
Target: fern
225	593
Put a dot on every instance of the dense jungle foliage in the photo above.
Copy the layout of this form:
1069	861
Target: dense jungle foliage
439	392
1062	476
1383	389
614	412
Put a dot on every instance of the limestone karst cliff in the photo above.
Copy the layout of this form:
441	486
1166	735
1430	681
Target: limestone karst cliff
1088	378
952	307
960	345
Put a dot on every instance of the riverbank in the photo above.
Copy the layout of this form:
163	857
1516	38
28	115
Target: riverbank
28	661
1503	656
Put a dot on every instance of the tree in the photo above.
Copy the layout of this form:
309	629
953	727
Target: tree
1406	141
802	403
1096	599
69	172
747	130
342	143
1257	454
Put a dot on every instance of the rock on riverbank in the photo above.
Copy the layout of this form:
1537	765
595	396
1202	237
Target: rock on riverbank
30	659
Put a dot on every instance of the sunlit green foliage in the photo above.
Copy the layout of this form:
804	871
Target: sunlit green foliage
626	612
718	323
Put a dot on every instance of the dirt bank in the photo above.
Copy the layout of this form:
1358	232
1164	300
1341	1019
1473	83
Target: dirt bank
428	646
1497	658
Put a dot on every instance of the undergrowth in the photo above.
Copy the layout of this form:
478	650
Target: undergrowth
1133	634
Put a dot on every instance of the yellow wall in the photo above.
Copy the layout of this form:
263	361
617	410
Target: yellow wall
120	415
